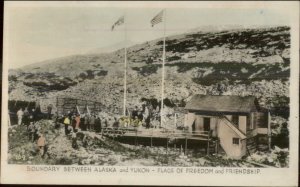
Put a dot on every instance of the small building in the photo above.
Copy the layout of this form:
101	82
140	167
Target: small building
234	121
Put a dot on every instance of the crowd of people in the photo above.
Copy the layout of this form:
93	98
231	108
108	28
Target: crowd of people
26	116
76	122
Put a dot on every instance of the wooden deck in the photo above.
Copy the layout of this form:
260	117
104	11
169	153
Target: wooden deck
162	136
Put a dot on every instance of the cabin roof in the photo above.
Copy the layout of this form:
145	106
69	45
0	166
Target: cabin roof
223	103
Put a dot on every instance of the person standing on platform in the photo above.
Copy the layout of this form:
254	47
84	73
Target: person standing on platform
134	112
140	116
146	117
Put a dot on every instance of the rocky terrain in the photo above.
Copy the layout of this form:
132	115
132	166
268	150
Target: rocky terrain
230	62
93	149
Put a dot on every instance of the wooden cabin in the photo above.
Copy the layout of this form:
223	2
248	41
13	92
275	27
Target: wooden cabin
234	120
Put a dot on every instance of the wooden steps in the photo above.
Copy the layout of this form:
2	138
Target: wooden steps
252	144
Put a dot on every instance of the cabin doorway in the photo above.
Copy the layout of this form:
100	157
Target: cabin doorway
206	124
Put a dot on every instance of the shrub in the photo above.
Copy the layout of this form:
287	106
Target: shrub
147	69
102	73
12	78
63	161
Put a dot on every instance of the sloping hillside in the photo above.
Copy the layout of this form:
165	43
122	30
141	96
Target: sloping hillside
238	62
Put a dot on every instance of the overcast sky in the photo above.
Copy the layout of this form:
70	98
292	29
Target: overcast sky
36	33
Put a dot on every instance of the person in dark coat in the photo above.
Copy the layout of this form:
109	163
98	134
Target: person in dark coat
31	131
106	123
92	122
34	115
26	117
49	111
73	122
82	123
134	112
98	124
57	121
87	122
116	123
140	116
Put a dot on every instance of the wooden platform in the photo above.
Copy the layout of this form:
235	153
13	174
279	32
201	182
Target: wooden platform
163	137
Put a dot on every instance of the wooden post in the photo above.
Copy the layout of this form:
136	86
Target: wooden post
9	123
135	139
113	134
217	146
185	149
57	105
151	138
94	108
63	108
269	130
76	102
167	145
175	121
208	143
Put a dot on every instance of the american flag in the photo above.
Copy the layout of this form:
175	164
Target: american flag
117	23
158	18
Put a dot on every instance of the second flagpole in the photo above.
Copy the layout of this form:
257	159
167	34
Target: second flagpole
163	70
125	66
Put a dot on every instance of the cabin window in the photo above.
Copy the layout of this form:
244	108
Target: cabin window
235	141
235	120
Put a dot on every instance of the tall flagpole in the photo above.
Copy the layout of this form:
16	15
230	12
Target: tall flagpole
125	66
163	70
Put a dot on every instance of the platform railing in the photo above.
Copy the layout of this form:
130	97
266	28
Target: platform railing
154	132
